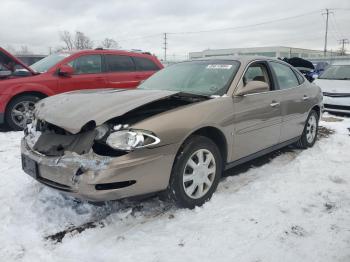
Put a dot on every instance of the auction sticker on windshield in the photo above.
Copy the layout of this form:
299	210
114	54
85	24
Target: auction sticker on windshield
219	66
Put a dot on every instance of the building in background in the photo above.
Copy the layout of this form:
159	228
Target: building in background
30	59
269	51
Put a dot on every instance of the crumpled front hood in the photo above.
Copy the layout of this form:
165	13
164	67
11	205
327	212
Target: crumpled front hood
71	111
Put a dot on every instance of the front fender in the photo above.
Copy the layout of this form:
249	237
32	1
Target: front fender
29	87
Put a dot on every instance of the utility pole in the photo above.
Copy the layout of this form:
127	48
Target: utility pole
165	47
327	13
343	42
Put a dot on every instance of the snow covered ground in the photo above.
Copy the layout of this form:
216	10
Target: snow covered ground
295	207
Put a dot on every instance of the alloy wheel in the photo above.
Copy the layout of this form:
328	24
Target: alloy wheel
22	113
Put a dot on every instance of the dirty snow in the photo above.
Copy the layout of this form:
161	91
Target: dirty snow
295	207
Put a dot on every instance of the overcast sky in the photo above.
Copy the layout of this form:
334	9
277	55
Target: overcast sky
140	24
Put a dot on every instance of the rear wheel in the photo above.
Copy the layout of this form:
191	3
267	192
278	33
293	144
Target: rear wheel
308	138
196	172
20	111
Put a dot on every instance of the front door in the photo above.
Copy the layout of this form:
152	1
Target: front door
257	116
87	74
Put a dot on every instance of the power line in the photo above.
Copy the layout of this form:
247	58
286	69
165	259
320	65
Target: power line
335	33
139	37
344	9
337	27
245	26
334	30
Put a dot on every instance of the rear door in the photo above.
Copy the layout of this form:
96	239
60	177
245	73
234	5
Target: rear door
87	74
121	71
294	99
257	116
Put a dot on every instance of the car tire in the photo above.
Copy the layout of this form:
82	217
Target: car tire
20	108
202	175
309	136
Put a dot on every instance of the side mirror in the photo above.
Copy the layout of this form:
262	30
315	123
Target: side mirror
253	87
65	70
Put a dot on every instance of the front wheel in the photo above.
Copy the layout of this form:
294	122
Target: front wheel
196	172
20	111
308	138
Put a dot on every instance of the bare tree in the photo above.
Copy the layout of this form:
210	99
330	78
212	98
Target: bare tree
24	50
109	43
81	41
11	49
67	38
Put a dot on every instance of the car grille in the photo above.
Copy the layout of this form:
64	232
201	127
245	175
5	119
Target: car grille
336	107
336	94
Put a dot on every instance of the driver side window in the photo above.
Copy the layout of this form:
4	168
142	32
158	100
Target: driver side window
88	64
256	72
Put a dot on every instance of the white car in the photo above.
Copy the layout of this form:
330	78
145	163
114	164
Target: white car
335	85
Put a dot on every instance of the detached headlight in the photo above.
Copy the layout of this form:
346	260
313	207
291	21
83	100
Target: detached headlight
131	139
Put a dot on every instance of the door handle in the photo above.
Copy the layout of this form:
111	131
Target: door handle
305	97
274	104
99	78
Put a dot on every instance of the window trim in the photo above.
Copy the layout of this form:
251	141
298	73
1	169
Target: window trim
268	71
297	72
271	75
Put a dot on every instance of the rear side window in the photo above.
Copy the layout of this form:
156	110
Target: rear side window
119	63
144	64
286	78
300	78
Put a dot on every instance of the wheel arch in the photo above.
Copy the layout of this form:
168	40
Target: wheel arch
214	134
39	94
317	108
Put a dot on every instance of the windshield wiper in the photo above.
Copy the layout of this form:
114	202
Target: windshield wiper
186	94
191	96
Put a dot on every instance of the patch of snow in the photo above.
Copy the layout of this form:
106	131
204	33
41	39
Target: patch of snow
296	207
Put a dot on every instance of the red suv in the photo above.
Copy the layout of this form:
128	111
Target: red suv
22	86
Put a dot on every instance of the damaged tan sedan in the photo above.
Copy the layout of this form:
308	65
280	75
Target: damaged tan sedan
175	134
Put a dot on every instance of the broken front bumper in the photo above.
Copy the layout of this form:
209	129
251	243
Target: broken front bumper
99	178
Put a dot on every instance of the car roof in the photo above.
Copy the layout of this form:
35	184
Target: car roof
243	58
106	51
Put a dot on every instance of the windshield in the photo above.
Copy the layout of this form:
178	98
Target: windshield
46	63
337	72
197	77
